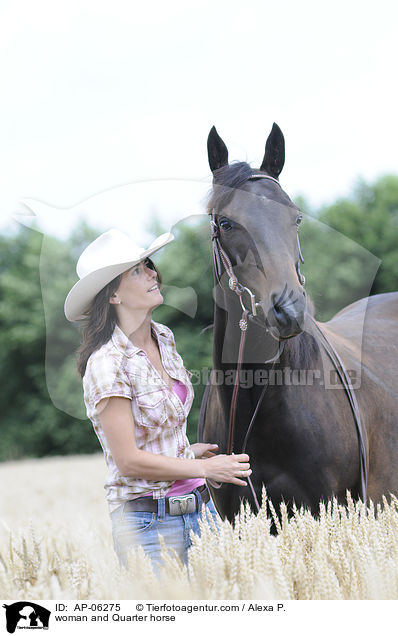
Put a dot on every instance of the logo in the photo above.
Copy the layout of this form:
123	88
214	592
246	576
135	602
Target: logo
26	615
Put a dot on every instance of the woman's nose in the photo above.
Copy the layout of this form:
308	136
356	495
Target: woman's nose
151	272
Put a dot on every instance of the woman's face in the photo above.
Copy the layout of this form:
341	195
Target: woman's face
139	288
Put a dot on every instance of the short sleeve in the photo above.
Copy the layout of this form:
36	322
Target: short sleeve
105	377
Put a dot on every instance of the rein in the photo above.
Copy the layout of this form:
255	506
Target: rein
219	255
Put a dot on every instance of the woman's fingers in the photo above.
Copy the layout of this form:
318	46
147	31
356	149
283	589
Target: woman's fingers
230	468
243	466
242	457
241	469
239	482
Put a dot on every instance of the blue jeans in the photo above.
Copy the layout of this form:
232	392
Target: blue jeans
132	529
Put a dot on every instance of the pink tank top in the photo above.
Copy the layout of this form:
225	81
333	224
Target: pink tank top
180	389
181	486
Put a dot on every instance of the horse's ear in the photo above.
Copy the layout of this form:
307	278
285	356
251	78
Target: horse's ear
217	150
274	157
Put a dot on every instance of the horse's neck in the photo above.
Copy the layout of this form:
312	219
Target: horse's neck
301	352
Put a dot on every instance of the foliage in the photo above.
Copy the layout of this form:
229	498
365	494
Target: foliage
342	243
30	423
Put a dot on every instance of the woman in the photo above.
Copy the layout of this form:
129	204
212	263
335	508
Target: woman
138	395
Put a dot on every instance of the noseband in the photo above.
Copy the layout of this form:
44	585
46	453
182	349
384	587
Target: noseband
219	255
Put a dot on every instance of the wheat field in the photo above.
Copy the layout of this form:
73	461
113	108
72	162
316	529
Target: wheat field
56	543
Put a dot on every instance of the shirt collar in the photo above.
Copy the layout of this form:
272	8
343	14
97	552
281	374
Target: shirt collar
124	345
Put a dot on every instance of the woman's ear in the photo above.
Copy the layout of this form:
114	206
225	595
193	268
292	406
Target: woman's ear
114	300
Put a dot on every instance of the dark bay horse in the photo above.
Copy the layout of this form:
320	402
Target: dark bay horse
303	444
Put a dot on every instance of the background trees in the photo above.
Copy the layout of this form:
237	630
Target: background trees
30	423
41	407
350	246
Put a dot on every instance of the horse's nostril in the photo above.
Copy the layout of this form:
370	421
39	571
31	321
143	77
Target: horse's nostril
278	310
284	304
288	311
279	299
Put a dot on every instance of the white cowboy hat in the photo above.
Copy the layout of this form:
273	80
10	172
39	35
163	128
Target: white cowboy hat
109	255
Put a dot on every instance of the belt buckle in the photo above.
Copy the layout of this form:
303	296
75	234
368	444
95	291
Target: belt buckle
182	505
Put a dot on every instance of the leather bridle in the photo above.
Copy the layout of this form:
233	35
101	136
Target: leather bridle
219	255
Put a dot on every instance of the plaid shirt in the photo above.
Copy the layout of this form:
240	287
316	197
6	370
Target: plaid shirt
118	368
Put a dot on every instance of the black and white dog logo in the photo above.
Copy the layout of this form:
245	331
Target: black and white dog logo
26	615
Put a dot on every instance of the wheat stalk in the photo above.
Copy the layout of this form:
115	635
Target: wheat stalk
344	552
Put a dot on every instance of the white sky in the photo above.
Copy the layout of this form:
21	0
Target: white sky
96	95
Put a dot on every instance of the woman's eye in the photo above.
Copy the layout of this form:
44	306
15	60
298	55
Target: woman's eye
225	224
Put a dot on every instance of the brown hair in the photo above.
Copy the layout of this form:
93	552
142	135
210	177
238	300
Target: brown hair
101	320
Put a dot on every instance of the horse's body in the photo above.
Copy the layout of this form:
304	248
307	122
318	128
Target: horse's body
304	445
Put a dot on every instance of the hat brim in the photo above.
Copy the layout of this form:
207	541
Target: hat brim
85	290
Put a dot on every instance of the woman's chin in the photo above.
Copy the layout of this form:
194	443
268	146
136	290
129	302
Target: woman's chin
158	301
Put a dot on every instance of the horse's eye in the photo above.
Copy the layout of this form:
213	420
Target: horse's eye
299	219
225	224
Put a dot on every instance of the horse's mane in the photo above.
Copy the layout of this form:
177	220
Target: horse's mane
302	351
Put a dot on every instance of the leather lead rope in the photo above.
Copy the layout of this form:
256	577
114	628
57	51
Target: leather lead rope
232	412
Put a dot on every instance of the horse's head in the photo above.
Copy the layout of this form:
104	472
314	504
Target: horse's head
257	226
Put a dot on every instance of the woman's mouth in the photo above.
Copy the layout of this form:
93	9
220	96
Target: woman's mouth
154	288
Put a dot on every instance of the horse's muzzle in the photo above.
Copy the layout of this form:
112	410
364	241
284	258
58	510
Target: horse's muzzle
287	315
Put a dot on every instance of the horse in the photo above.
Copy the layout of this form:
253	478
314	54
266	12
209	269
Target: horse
273	390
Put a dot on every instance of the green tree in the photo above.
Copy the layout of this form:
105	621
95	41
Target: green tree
343	242
30	423
371	219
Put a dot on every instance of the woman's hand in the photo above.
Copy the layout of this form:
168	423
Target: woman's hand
202	451
228	468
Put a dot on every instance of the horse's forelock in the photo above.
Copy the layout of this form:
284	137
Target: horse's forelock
226	180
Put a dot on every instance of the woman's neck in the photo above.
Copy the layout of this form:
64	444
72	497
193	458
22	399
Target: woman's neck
137	329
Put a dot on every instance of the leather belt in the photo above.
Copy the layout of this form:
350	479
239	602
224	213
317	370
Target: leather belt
175	505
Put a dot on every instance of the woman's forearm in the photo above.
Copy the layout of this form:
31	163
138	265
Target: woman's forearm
145	465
